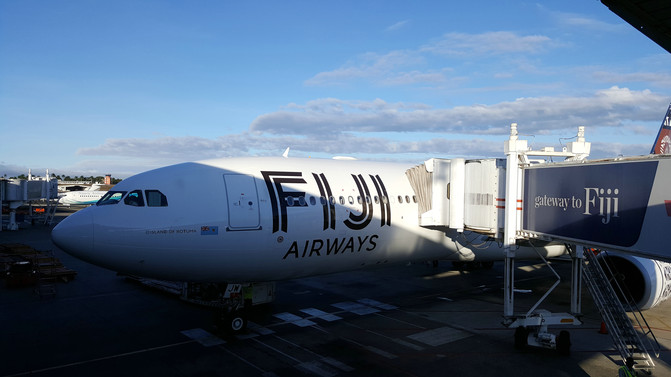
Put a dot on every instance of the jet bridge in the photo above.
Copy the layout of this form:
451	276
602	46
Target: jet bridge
620	204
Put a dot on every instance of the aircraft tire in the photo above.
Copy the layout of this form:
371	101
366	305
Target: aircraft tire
564	343
237	322
521	335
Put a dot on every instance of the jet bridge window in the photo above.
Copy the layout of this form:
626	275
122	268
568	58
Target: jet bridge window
156	198
134	198
112	197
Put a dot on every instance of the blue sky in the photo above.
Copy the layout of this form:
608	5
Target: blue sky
95	87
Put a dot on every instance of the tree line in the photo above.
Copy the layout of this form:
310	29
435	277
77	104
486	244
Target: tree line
97	179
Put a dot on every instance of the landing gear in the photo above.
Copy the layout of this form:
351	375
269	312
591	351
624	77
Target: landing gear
231	323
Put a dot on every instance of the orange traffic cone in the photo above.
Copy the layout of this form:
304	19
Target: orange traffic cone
603	329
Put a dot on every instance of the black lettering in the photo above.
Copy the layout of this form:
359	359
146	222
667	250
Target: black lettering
358	222
314	249
305	249
361	242
335	246
328	208
292	250
350	245
278	197
372	243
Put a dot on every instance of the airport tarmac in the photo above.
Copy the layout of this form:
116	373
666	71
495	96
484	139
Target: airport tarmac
404	320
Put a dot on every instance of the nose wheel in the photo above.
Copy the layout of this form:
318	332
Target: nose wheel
232	323
237	322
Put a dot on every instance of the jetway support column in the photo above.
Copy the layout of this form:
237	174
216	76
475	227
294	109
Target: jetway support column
513	147
577	260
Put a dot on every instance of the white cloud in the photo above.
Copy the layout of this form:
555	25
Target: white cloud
407	67
657	79
397	26
610	107
487	44
580	21
331	126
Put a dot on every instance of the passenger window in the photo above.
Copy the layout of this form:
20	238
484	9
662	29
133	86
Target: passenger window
350	200
400	199
112	197
342	200
156	198
407	199
377	200
313	201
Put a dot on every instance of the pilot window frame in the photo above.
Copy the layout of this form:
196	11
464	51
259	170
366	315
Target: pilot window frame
151	198
110	198
134	199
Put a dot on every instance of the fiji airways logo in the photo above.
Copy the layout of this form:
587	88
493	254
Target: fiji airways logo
606	200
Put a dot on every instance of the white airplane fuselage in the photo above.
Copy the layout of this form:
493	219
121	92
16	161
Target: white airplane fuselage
85	197
264	219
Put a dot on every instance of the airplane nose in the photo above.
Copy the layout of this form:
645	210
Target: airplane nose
74	234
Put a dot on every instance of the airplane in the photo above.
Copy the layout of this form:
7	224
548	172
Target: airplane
261	219
88	196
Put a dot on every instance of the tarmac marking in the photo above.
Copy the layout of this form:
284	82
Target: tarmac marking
338	364
377	304
102	359
257	329
278	351
408	344
294	319
265	373
439	336
203	337
395	340
328	317
355	307
401	321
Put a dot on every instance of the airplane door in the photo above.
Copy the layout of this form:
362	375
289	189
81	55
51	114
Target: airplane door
243	202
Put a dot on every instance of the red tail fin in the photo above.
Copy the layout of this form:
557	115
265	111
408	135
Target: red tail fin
663	141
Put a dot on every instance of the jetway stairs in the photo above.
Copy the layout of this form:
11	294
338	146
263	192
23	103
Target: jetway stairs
628	341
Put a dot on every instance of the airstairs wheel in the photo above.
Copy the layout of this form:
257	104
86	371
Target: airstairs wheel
564	343
521	337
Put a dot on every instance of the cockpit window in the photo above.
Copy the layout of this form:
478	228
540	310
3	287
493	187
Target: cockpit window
134	198
156	198
112	197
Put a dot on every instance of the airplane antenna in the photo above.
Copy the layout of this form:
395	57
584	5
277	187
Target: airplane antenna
286	153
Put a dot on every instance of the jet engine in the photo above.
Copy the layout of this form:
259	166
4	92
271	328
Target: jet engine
647	281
